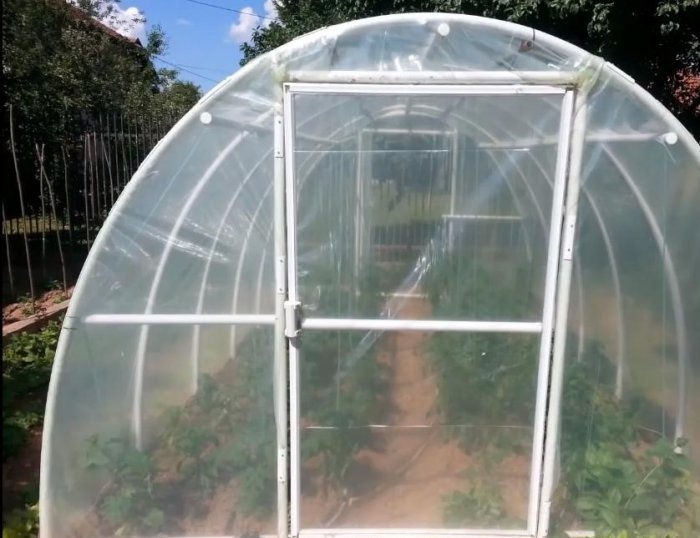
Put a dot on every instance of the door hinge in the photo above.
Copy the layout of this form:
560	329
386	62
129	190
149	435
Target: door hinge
292	319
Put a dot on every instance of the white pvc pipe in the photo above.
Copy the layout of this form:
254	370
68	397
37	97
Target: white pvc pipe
137	412
349	324
179	319
548	309
359	228
412	533
511	78
591	137
261	270
239	268
453	190
617	288
293	296
196	335
559	316
674	289
483	217
280	344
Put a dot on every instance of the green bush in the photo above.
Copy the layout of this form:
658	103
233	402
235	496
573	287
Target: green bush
26	369
22	523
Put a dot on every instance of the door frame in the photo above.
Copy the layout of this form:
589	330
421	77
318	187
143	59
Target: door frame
559	248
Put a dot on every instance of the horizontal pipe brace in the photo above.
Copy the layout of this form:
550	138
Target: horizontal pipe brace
419	427
553	78
180	319
534	327
400	533
483	217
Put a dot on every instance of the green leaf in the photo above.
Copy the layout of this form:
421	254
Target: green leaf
154	519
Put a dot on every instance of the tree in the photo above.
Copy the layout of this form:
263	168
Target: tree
66	73
657	42
180	96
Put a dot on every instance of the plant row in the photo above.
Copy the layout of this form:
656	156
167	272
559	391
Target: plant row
617	477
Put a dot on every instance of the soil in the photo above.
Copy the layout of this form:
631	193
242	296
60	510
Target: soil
20	474
22	310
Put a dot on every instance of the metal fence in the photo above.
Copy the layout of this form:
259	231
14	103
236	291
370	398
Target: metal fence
56	197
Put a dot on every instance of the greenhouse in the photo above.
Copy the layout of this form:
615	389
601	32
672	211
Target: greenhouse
414	275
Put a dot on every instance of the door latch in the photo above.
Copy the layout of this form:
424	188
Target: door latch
292	319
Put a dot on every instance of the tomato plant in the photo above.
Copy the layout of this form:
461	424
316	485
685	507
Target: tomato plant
615	477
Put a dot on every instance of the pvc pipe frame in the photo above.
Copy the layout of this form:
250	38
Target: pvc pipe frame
513	79
560	315
334	324
280	344
155	319
349	324
545	327
46	530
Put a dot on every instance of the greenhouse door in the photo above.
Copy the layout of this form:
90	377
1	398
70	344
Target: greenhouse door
424	230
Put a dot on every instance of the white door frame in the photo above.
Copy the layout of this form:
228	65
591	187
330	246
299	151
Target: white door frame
558	236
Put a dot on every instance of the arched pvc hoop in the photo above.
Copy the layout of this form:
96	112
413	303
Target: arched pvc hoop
205	277
575	55
674	288
496	162
137	413
239	269
46	529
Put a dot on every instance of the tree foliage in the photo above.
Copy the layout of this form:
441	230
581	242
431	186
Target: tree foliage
63	69
656	41
66	74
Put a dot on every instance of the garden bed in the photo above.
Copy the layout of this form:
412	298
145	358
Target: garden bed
30	316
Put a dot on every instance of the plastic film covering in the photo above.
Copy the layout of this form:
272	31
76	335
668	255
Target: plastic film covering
409	207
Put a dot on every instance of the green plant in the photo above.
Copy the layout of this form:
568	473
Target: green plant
22	523
55	285
615	481
26	368
479	506
15	430
485	380
343	384
616	477
650	494
131	503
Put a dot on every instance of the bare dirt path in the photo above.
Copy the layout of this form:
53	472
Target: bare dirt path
417	466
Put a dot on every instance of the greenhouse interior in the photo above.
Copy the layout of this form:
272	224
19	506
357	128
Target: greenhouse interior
413	275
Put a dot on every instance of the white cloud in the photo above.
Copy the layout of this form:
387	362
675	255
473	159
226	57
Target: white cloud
129	22
270	12
242	30
183	22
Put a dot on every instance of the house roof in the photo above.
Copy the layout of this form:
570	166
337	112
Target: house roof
81	15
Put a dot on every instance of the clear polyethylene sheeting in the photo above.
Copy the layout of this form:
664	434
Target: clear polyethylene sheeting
447	209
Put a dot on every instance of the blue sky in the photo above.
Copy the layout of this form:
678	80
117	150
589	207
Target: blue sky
203	40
